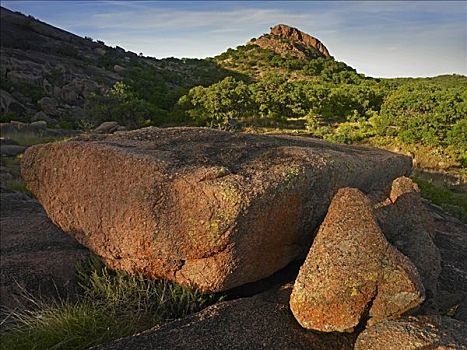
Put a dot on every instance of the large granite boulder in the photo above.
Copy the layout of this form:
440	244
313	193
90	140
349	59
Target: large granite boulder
203	207
413	333
352	269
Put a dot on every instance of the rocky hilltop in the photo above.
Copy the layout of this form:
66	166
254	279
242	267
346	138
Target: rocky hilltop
285	40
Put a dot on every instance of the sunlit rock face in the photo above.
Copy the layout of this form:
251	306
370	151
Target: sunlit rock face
202	207
285	40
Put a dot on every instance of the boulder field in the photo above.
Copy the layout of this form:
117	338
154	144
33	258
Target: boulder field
201	207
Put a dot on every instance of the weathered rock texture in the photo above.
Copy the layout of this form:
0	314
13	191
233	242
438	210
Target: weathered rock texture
288	40
35	256
199	206
351	268
260	322
413	333
408	225
451	239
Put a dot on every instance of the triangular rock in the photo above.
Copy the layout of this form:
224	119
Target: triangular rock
351	269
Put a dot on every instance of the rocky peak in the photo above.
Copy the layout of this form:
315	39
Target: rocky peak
284	40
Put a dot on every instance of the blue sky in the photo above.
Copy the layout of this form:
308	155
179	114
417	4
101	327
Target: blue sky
378	38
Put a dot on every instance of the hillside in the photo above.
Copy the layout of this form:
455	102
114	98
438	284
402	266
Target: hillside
285	51
283	81
46	69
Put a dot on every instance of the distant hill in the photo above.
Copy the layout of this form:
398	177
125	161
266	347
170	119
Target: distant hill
46	69
49	73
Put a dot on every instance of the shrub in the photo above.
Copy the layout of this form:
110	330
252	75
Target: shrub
67	50
17	185
350	132
424	112
457	136
120	104
218	103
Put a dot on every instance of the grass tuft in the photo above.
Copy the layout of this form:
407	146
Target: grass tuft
113	305
452	203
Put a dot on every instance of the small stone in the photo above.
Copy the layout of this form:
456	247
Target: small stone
402	185
40	125
107	128
41	116
11	150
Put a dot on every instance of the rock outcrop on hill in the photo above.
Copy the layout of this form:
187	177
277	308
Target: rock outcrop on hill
198	206
352	269
288	40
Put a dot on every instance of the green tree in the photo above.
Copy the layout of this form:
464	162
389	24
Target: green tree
422	111
217	104
121	105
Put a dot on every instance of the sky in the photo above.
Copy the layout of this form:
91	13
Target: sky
378	38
